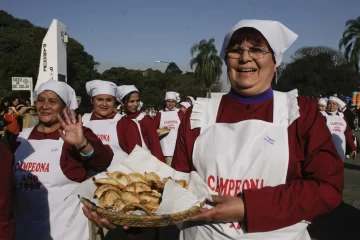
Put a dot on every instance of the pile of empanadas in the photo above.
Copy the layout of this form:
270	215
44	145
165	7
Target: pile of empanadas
124	193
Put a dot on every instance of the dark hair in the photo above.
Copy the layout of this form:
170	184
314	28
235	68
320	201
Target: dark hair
127	96
252	36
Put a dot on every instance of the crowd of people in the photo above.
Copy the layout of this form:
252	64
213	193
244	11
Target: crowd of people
271	160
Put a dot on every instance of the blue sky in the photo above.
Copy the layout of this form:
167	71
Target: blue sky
136	33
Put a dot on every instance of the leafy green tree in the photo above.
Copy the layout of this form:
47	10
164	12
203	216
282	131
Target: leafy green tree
318	71
20	49
173	69
207	63
351	42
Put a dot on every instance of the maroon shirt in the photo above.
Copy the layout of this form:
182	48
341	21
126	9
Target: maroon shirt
127	132
6	193
150	136
314	181
73	165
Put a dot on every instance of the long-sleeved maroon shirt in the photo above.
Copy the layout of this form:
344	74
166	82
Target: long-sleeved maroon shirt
6	193
314	181
73	165
127	132
150	136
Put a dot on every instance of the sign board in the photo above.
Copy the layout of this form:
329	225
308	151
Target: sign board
348	98
21	83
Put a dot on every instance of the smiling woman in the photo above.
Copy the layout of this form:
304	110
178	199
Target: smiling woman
129	97
119	132
51	161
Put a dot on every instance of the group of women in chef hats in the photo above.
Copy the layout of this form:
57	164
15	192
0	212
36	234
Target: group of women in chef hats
266	156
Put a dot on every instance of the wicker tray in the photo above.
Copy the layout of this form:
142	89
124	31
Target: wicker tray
121	219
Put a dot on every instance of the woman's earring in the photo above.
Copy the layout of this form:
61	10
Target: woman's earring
276	77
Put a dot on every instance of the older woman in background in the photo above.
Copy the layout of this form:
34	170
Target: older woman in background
52	160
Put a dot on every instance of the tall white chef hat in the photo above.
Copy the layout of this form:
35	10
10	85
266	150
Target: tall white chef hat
172	96
97	87
62	89
338	101
185	104
191	98
322	101
278	36
124	90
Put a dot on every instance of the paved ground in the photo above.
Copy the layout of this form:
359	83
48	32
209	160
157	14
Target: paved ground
344	222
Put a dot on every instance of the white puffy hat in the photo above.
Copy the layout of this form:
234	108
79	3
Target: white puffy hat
322	101
278	36
97	87
172	96
191	98
185	104
338	101
62	89
124	90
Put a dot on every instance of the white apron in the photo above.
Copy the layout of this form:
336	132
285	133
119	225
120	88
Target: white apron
234	157
41	211
171	120
337	126
137	120
106	131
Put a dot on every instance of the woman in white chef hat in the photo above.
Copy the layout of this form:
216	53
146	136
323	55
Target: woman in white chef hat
190	100
266	156
129	97
322	104
262	153
119	132
52	160
184	106
339	128
170	117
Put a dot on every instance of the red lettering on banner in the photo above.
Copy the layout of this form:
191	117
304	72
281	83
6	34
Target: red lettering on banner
104	137
211	180
31	167
223	186
232	187
232	225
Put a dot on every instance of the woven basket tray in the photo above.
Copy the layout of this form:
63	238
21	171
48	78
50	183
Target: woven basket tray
121	219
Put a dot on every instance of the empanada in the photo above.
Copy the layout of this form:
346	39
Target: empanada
150	197
108	181
130	197
102	188
137	177
121	177
108	198
151	176
152	206
137	187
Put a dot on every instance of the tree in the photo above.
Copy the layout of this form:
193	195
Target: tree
351	42
173	69
207	63
20	49
318	71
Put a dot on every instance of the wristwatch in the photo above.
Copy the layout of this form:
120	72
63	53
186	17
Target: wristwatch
83	146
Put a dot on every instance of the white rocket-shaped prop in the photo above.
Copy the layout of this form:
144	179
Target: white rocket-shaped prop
53	54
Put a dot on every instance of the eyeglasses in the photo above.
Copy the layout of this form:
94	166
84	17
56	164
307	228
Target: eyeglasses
254	52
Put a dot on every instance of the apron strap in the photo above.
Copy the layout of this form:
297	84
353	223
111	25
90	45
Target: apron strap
204	112
286	107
